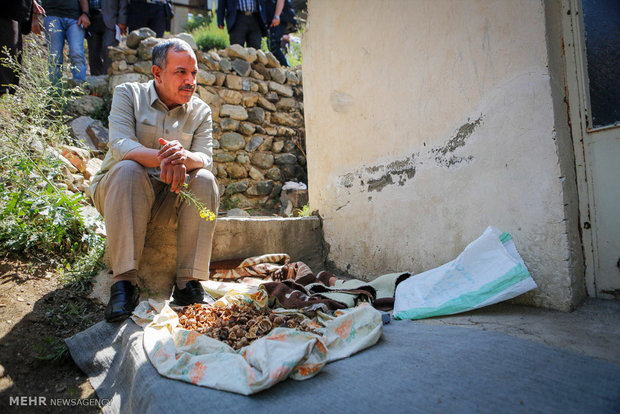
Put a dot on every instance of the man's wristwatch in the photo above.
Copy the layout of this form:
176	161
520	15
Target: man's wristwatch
86	13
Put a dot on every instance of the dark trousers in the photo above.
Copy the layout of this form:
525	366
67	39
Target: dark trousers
11	38
151	15
100	38
274	42
246	30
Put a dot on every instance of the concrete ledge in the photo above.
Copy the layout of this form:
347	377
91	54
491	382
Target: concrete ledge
234	238
241	237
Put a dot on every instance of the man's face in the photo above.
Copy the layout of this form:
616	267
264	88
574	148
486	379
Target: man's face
176	83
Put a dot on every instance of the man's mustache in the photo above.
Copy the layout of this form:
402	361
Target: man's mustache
187	88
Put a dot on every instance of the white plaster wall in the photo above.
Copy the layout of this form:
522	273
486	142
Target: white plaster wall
426	122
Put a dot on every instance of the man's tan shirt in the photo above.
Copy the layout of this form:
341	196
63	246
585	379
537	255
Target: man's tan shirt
139	118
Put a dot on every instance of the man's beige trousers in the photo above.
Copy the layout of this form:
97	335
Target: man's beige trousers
130	201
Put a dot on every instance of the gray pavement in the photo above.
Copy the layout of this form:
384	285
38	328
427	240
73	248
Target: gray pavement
593	329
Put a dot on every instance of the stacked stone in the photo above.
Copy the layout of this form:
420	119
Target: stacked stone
257	105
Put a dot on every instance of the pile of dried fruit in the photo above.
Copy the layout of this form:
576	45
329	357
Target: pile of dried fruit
238	325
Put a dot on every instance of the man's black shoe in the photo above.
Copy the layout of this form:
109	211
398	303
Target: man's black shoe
123	300
190	294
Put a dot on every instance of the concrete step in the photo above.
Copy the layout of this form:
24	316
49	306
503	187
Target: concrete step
235	238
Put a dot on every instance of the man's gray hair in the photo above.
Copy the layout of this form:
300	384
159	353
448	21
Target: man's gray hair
160	51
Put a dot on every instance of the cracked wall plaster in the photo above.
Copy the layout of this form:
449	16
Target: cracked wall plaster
398	172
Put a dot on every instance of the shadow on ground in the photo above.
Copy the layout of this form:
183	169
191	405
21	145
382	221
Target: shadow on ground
37	315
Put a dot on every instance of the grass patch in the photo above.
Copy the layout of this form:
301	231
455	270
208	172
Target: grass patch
52	349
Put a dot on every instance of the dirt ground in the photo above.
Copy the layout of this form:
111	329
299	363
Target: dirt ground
36	313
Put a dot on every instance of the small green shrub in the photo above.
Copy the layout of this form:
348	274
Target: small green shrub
304	211
209	36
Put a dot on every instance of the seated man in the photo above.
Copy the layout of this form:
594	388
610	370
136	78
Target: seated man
129	199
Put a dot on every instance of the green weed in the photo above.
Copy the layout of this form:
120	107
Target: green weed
38	216
304	211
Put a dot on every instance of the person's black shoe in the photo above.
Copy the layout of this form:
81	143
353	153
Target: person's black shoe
190	294
123	300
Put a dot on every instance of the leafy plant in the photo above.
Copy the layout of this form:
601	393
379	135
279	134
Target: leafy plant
38	216
209	36
304	211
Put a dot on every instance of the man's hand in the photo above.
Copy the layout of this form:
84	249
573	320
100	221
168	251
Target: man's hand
173	175
36	26
275	21
37	11
172	157
122	27
172	152
83	21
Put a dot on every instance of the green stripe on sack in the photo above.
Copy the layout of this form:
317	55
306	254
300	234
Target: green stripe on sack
505	237
469	300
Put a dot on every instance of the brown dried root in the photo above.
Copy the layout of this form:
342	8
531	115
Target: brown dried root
238	325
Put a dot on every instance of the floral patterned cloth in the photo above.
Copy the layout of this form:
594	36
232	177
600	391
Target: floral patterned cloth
188	356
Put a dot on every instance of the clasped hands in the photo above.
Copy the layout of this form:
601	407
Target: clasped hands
172	157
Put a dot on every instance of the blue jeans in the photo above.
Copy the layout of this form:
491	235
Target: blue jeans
57	29
274	42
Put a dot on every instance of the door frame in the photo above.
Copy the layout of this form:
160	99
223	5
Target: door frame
578	101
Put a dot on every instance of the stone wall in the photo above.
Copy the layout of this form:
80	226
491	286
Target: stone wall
258	123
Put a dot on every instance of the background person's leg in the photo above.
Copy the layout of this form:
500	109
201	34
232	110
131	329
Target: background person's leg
109	39
238	33
138	15
75	38
11	38
96	47
157	18
254	33
274	42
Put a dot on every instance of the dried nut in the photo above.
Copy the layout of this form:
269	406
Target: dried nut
237	324
265	325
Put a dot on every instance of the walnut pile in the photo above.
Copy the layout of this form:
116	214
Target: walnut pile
237	325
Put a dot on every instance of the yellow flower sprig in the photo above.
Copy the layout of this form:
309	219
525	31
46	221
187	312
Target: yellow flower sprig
189	197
